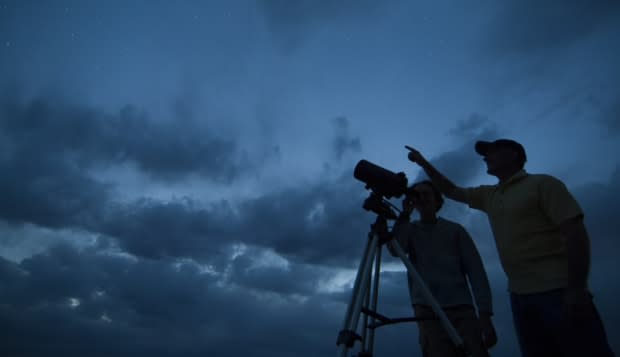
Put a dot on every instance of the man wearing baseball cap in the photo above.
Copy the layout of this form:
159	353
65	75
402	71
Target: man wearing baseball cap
544	249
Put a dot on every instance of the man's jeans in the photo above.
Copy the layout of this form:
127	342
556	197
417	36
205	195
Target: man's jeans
543	332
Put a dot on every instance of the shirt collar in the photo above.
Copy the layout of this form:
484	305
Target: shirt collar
514	178
422	224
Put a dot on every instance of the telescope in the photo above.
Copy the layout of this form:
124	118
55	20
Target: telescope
381	181
384	184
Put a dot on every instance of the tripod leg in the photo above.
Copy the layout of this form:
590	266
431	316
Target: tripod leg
358	281
359	288
373	305
366	305
428	296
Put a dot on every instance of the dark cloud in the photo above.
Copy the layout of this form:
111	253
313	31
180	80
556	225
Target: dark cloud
319	223
258	270
475	125
52	151
48	191
526	26
293	22
343	142
182	228
54	131
322	223
73	300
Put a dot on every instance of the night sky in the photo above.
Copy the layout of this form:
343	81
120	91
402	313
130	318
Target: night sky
176	177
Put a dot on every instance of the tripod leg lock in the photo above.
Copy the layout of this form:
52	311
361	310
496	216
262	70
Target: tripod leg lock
348	338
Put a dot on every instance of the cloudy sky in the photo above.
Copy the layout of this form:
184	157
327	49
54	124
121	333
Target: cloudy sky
176	176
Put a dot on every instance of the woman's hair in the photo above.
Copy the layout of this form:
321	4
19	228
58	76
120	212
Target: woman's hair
436	192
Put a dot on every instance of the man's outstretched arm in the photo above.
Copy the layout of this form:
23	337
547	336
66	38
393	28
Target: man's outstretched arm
444	185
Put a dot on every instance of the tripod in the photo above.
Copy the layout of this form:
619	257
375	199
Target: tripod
361	297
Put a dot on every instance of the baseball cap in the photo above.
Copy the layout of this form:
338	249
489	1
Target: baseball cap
483	147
